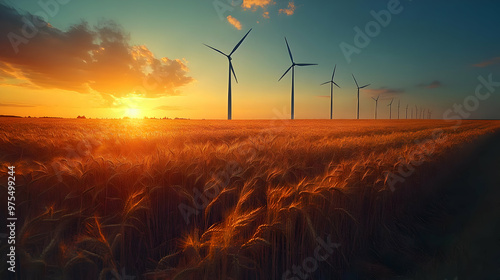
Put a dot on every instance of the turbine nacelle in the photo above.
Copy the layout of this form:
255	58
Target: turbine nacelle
357	83
332	80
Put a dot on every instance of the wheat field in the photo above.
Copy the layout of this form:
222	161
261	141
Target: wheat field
179	199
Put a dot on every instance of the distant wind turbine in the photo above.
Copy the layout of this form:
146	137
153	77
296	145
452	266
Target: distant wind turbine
406	111
293	76
416	112
390	109
376	105
358	92
331	82
231	70
399	104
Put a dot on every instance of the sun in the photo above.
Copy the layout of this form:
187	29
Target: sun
133	112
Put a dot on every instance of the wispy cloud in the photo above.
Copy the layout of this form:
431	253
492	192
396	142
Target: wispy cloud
254	4
486	63
86	59
290	10
234	22
168	108
384	92
16	105
433	84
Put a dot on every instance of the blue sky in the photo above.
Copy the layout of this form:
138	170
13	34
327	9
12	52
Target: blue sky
430	55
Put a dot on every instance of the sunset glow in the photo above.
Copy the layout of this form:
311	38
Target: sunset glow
155	51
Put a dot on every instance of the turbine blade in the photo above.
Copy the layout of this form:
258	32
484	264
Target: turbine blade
334	68
285	73
336	84
365	86
232	70
355	81
289	51
305	64
239	43
215	49
325	83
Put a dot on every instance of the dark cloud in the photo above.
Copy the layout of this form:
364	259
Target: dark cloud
486	63
384	92
84	59
433	84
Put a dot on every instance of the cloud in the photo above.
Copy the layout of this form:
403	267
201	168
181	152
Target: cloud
290	10
234	22
384	92
16	105
84	59
254	4
168	108
486	63
433	84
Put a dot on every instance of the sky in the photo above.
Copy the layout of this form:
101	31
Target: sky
111	59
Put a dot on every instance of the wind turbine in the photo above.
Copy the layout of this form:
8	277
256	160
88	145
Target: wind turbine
358	92
293	76
390	108
376	105
406	111
231	70
416	112
399	104
331	82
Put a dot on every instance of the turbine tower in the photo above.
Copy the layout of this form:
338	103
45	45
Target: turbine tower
231	70
390	109
406	111
358	92
331	82
376	105
293	76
